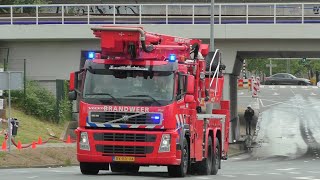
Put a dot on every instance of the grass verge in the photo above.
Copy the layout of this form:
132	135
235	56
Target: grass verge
31	128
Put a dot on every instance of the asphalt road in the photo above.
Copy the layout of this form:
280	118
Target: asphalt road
288	144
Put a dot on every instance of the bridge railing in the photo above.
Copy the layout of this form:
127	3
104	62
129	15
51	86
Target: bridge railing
244	13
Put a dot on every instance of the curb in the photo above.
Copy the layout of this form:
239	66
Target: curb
237	154
39	166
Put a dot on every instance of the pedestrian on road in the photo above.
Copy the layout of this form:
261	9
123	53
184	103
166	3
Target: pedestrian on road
248	116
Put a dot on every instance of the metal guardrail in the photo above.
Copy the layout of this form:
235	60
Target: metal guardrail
242	13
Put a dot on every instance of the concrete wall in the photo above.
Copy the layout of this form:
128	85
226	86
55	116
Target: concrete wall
47	60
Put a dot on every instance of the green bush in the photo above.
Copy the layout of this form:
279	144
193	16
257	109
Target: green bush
65	106
39	101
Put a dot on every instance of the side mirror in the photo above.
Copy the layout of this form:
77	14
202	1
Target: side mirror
72	83
190	84
72	95
189	98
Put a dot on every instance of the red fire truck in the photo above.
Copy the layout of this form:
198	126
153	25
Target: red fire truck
150	99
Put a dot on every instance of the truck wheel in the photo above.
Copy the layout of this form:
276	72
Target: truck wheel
88	168
130	168
181	170
216	162
205	166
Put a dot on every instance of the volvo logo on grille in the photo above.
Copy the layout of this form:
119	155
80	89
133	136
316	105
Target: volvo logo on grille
125	118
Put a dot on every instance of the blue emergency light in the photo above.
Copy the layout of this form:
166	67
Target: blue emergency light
172	58
91	55
155	118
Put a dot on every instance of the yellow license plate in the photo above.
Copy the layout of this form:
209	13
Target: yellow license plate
123	159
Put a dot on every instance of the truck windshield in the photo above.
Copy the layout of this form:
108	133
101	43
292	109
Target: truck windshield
128	87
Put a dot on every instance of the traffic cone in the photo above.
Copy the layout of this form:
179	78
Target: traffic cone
40	140
4	145
19	145
68	139
33	145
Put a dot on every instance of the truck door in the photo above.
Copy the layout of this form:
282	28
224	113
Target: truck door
184	112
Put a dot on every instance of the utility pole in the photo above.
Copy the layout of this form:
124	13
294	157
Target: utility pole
212	27
270	67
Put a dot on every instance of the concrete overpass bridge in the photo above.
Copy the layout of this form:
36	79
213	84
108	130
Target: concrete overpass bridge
51	37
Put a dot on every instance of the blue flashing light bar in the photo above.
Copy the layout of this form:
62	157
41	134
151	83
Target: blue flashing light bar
172	58
91	55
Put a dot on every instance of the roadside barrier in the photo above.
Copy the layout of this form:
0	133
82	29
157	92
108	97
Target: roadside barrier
255	88
34	144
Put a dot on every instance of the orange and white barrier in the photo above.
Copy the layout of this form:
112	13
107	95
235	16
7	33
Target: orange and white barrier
255	89
258	83
240	83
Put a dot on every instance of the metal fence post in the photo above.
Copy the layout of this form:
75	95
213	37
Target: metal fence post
192	14
166	13
275	13
11	15
37	14
140	13
88	17
247	14
302	13
24	81
220	11
62	14
114	14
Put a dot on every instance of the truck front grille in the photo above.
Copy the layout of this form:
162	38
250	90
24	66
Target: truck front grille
142	119
124	137
139	150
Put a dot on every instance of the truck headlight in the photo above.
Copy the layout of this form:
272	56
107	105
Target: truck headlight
84	141
165	143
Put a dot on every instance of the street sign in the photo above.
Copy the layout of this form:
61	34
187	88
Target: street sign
14	79
273	65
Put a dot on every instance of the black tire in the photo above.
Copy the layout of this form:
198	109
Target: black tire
301	83
273	83
205	166
89	168
128	168
181	170
216	162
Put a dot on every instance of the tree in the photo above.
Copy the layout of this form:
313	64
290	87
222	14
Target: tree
15	2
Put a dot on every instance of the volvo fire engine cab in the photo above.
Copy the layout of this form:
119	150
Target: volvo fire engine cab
149	99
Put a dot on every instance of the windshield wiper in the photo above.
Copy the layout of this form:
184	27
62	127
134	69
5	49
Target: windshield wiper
144	95
115	99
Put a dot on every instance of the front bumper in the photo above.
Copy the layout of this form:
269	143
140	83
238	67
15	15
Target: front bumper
119	148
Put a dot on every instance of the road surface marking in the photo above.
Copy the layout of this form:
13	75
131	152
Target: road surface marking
294	172
314	172
313	94
276	94
307	177
275	173
202	178
306	161
288	169
293	86
32	177
253	174
231	176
